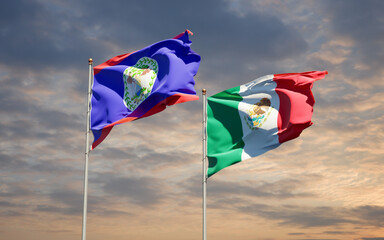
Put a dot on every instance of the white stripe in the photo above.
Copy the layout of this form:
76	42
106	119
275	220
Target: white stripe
264	137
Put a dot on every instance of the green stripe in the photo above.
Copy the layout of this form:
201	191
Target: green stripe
224	130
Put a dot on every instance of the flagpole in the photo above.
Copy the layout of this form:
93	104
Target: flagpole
204	91
87	149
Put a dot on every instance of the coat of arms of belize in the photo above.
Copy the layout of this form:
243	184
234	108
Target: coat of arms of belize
138	81
258	113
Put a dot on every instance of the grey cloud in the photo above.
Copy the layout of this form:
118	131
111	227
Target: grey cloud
372	215
24	120
40	35
12	213
18	130
143	157
338	232
18	163
143	191
110	213
55	119
286	188
317	239
175	158
77	210
45	36
68	197
291	215
363	22
74	198
224	192
15	102
69	202
299	216
212	21
118	153
10	209
296	234
52	167
62	210
359	19
8	162
307	217
7	204
16	190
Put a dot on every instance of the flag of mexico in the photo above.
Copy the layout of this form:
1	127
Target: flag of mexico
249	120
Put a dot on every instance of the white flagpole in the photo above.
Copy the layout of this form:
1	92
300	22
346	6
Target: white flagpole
204	164
89	95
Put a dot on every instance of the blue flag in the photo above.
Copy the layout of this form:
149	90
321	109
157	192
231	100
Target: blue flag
142	83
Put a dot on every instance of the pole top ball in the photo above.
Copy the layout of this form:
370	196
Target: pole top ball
204	91
90	60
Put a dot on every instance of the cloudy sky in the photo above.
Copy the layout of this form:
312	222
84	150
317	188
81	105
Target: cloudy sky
145	178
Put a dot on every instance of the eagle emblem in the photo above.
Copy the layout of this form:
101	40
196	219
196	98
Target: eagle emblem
258	113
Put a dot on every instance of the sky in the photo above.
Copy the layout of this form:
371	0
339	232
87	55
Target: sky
145	178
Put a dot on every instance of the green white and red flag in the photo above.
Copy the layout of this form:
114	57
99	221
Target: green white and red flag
249	120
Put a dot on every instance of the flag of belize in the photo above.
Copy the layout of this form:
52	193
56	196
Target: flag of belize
139	84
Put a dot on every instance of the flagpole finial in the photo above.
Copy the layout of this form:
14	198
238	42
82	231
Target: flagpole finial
204	91
90	61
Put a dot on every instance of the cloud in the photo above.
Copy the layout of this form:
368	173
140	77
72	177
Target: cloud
61	43
308	217
70	202
338	232
324	185
61	210
287	188
11	213
362	23
8	209
15	190
142	191
42	36
147	158
224	192
371	215
8	162
299	216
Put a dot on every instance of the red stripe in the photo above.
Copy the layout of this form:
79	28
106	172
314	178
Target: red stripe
111	62
104	134
181	34
171	100
296	102
118	59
